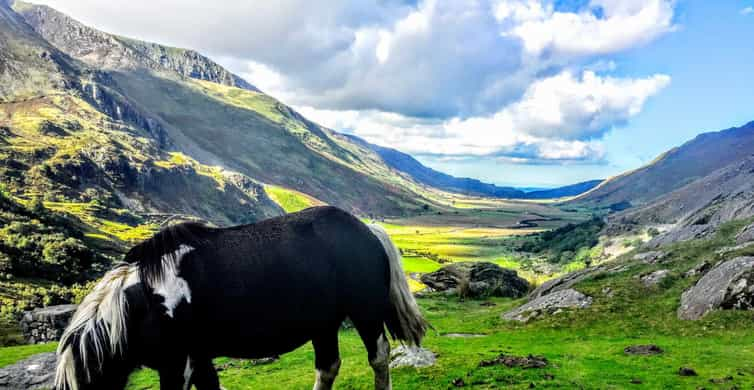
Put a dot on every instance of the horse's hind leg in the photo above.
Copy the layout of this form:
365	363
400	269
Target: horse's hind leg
378	351
326	359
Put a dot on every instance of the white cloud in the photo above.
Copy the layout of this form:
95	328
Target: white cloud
747	10
524	80
559	118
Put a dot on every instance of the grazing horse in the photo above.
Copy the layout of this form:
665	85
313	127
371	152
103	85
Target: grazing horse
193	293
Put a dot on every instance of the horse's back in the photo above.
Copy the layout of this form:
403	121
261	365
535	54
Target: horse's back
285	279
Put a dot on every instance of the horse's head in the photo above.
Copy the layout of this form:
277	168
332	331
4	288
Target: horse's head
94	351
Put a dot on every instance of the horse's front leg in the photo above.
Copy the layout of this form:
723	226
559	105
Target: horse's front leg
176	374
204	376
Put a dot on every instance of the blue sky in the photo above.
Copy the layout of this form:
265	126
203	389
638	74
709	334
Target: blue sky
515	92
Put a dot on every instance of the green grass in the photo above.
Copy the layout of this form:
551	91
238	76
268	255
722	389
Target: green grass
291	201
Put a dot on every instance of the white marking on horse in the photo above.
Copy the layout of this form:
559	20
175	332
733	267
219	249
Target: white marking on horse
187	372
172	287
326	378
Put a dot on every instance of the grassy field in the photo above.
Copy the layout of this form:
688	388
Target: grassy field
584	348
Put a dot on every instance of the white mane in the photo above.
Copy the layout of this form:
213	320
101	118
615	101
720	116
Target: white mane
99	321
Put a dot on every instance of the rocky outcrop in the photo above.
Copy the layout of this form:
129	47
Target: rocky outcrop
650	257
564	282
729	285
36	372
111	52
654	278
405	356
549	304
477	279
46	324
745	235
680	234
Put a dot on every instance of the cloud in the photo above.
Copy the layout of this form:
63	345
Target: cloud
558	119
530	81
747	10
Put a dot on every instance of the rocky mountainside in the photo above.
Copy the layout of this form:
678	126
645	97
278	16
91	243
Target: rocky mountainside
407	164
698	208
132	97
111	52
674	169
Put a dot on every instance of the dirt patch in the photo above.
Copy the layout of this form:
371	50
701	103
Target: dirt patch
530	361
649	349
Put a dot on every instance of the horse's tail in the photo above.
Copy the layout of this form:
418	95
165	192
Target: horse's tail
406	322
97	330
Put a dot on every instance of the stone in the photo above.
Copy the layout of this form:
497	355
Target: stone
564	282
699	269
648	349
650	257
405	356
549	304
478	279
746	234
36	372
46	324
687	371
684	233
728	285
654	278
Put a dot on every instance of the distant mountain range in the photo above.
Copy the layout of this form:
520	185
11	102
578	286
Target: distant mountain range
416	170
674	169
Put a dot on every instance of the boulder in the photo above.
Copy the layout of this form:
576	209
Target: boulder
46	324
549	304
746	234
405	356
481	278
699	269
654	278
650	257
728	285
36	372
564	282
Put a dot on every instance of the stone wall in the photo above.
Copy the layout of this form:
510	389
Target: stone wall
46	324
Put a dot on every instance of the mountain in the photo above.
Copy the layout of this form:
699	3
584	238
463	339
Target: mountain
674	169
563	192
698	208
108	52
187	114
419	172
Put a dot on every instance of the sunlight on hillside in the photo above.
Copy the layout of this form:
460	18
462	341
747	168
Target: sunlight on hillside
290	200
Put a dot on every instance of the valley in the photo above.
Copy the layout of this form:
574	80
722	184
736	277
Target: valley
104	140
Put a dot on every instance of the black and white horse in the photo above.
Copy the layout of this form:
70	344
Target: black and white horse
192	293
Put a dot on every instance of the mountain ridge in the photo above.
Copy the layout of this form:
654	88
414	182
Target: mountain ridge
673	169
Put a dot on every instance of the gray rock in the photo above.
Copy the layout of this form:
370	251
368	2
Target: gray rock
746	234
650	257
36	372
481	278
564	282
404	356
699	269
46	324
729	285
679	234
549	304
728	249
654	278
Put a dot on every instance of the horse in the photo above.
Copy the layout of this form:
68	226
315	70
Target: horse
192	293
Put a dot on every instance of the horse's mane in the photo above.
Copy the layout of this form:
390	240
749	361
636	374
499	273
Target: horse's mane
160	253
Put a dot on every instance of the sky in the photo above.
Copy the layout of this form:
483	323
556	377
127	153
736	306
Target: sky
530	93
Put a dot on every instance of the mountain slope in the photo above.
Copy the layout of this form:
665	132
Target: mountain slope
107	52
672	170
217	124
724	195
417	171
68	135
